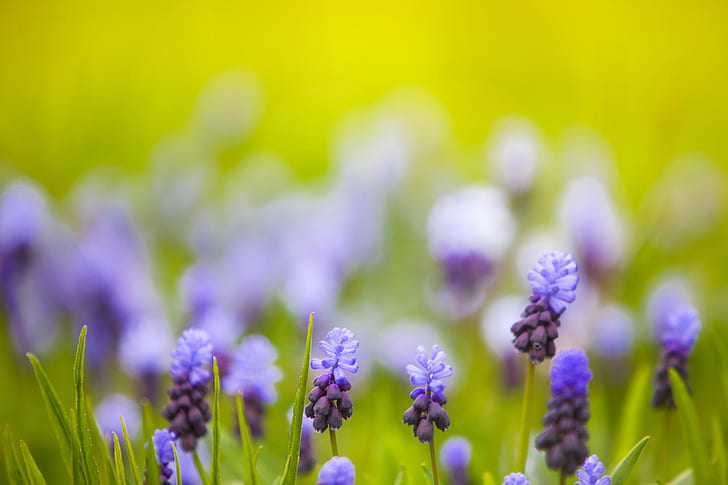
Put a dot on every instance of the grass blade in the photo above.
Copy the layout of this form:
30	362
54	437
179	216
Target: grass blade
250	475
177	474
88	461
130	454
633	413
719	454
100	445
290	469
15	469
691	429
119	474
685	478
151	469
427	473
35	477
622	470
60	422
215	478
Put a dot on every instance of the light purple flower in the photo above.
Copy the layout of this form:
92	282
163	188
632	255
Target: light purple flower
555	277
340	346
107	415
253	369
193	352
591	471
431	369
337	471
516	479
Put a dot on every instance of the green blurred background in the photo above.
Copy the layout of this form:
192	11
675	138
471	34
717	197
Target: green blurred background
83	85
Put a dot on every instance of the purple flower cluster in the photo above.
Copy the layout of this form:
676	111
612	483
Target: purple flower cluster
426	411
337	471
553	282
564	435
516	479
678	335
329	399
253	372
187	411
162	441
591	473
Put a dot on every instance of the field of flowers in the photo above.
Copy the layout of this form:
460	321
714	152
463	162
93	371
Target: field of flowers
293	247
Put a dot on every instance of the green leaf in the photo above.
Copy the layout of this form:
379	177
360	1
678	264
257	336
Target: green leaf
250	474
290	470
151	469
119	475
215	478
399	479
719	453
100	445
60	422
427	473
15	469
90	468
685	478
130	454
633	412
691	430
177	474
622	470
35	477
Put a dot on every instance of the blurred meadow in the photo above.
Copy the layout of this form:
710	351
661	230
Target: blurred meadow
236	166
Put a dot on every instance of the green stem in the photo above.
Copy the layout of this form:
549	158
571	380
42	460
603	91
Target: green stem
525	419
562	478
665	447
433	459
334	444
200	467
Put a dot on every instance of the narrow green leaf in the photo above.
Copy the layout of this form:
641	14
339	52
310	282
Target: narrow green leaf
427	473
622	470
88	461
399	479
177	474
16	470
685	478
130	454
119	475
215	477
290	469
60	423
691	429
250	474
100	444
35	477
151	469
719	453
632	417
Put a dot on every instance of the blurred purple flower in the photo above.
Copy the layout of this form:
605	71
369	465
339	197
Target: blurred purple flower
163	440
455	454
107	415
516	479
564	435
337	471
591	473
514	154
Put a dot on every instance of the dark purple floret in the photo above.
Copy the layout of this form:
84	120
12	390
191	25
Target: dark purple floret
330	402
426	411
564	436
162	441
553	282
187	411
678	336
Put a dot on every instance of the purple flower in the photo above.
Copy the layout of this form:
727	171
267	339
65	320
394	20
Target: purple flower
516	479
163	440
678	336
591	471
330	401
564	435
554	278
553	281
193	352
111	408
455	455
187	411
426	410
339	347
253	372
337	471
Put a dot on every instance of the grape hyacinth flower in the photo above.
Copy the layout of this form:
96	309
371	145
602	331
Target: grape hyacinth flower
337	471
678	336
564	435
107	415
253	373
330	401
426	411
455	454
591	473
163	440
553	282
187	411
516	479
